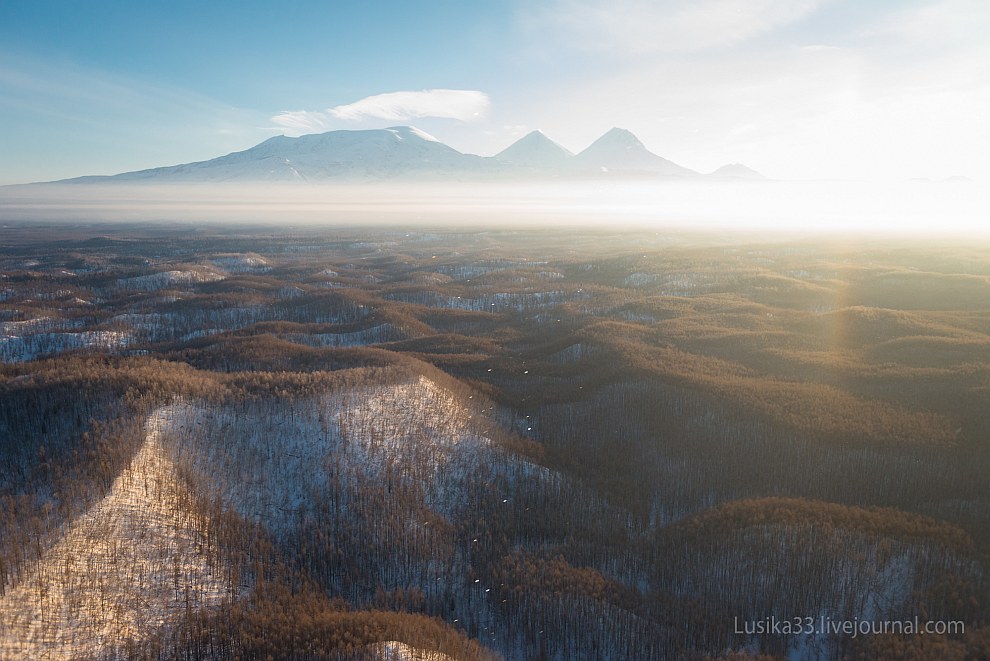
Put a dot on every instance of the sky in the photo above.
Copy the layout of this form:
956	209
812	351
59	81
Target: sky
882	90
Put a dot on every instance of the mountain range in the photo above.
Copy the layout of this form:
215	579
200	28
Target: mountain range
405	152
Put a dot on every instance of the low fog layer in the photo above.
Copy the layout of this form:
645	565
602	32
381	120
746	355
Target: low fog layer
908	207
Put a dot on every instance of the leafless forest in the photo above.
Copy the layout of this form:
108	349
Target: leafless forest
251	443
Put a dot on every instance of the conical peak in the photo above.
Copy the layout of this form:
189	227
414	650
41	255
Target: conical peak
616	135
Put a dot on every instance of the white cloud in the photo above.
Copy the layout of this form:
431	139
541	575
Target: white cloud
302	121
462	105
644	26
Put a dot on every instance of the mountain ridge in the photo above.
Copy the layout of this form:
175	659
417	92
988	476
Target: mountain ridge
535	150
406	152
619	151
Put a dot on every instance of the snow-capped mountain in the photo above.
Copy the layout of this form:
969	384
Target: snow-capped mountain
535	150
405	152
621	152
401	151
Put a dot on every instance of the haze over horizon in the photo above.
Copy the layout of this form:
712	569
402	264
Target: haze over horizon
814	89
570	330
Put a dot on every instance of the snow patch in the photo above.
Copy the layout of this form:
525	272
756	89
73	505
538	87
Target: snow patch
166	279
640	279
15	348
133	563
240	263
393	650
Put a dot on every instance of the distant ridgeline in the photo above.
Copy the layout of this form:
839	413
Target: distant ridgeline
405	152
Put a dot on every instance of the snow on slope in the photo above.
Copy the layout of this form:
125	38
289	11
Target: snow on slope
387	415
407	152
167	279
133	563
621	152
535	150
26	340
22	348
350	155
393	650
418	426
272	461
241	263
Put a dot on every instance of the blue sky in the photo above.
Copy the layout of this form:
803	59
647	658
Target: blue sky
794	88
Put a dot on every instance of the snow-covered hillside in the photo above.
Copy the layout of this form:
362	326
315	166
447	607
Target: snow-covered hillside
167	279
141	558
393	650
132	564
20	348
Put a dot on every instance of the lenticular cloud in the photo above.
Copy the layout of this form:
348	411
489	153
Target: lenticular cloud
463	105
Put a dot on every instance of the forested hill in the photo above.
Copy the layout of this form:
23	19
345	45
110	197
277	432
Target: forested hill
234	444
